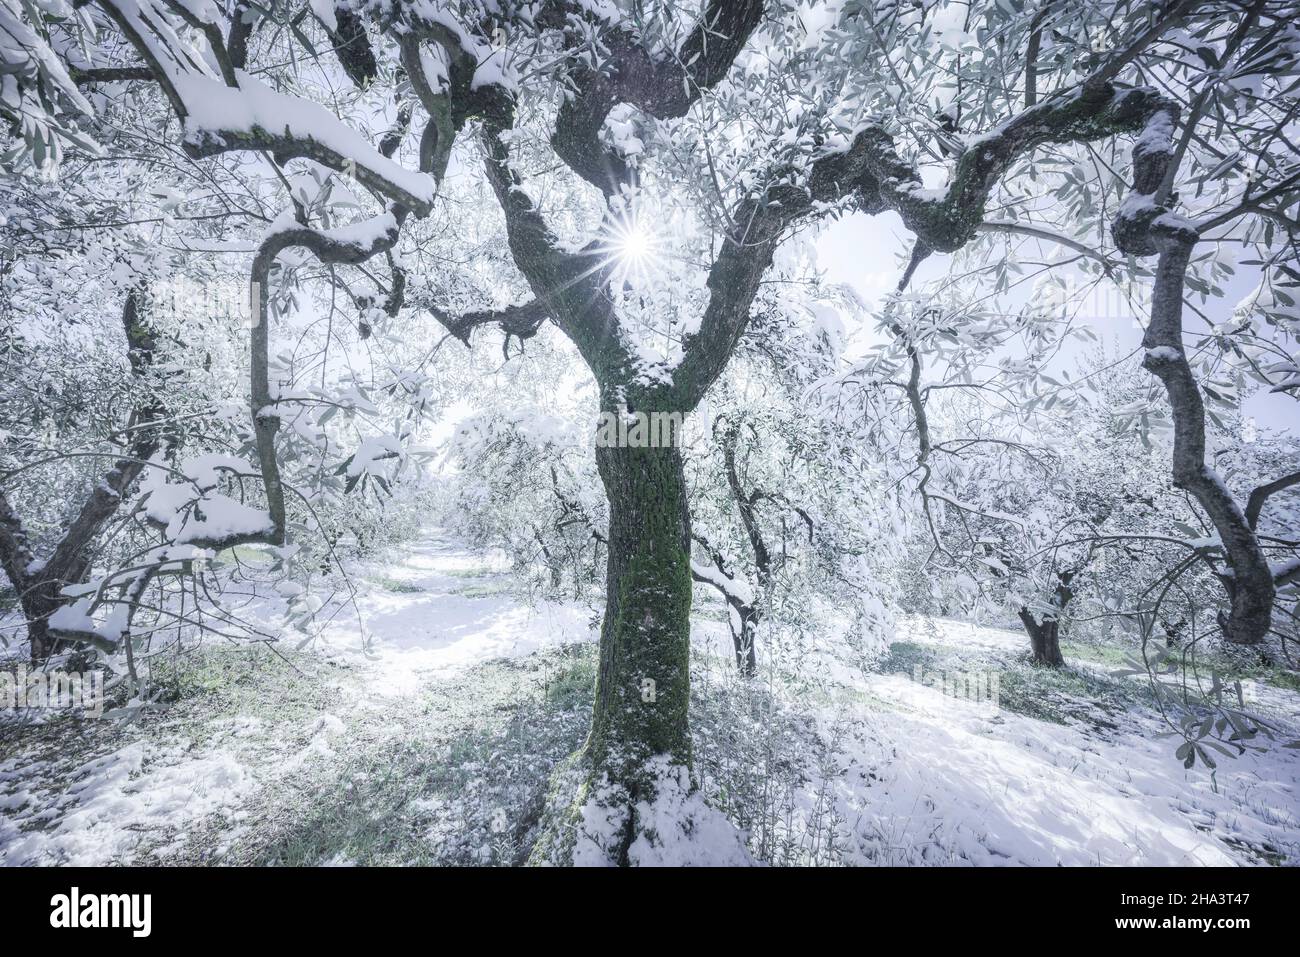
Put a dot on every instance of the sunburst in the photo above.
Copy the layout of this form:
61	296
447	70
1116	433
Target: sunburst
630	248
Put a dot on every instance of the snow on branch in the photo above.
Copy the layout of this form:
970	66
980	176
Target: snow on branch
947	219
350	244
39	100
736	590
24	54
251	116
238	112
191	512
155	38
100	612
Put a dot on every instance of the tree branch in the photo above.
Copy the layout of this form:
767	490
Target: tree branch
109	74
1255	504
948	221
70	555
341	246
745	256
569	285
521	321
728	434
239	113
661	87
352	47
1034	232
1251	588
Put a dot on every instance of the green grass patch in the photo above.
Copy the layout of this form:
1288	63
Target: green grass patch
1109	656
1058	696
1230	667
474	571
396	585
1065	695
905	656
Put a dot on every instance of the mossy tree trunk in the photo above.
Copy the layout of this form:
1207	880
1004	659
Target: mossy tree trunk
643	684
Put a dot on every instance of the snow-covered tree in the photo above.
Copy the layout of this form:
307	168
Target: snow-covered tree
637	176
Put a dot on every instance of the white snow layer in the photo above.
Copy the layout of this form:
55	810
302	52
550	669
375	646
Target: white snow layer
922	778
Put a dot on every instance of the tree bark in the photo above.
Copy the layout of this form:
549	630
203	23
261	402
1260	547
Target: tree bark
1044	639
643	685
1145	226
1045	635
1250	586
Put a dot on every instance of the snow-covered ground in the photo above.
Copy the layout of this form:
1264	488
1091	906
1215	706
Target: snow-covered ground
967	783
912	773
442	607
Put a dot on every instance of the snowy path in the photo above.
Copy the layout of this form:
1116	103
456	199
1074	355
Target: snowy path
434	611
923	777
443	607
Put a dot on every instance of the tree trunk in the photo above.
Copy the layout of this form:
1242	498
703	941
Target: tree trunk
1142	228
638	752
20	566
1044	639
40	584
1250	586
1045	636
39	601
643	685
746	660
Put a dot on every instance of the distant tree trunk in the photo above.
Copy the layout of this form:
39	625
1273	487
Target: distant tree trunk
743	614
746	659
748	613
643	685
554	562
1044	639
1045	635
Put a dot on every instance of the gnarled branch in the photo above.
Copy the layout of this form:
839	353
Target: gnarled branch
662	87
1255	504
